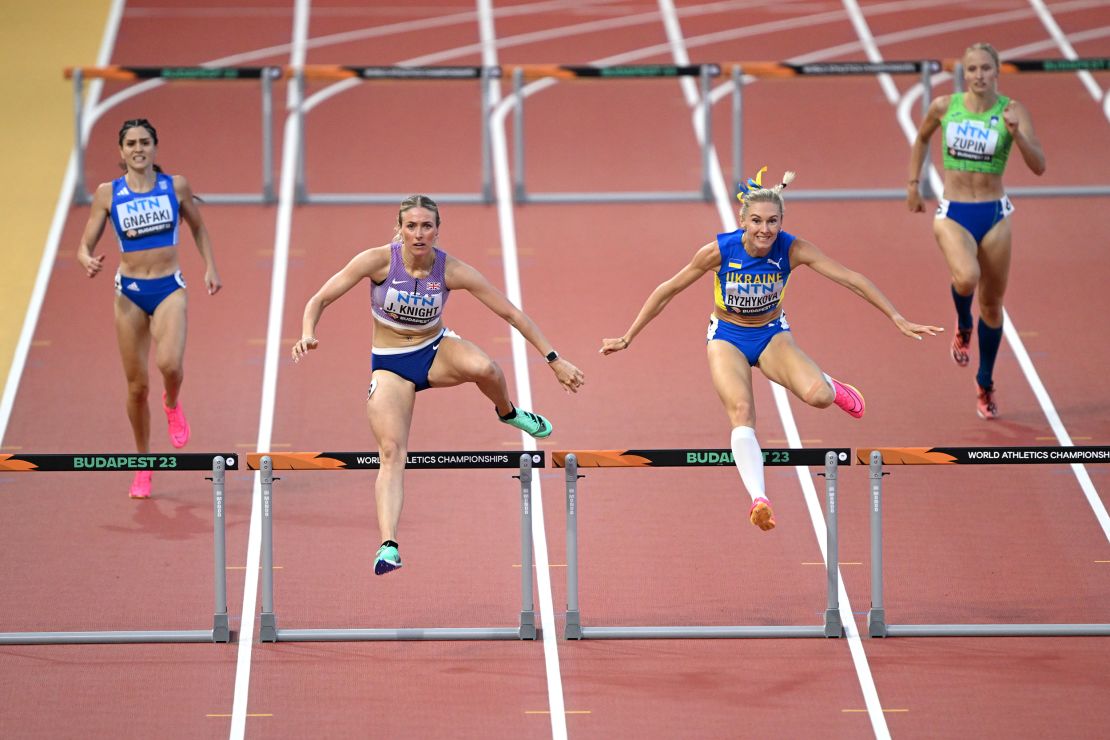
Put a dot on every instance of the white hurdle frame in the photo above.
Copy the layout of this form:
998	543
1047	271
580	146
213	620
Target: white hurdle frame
832	626
220	631
526	629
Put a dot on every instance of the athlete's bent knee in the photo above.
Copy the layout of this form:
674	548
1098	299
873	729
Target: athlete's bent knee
820	394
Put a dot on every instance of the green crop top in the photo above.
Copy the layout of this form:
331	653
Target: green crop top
976	142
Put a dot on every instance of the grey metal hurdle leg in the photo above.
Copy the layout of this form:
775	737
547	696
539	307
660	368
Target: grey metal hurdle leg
268	624
876	616
221	631
833	626
527	605
573	629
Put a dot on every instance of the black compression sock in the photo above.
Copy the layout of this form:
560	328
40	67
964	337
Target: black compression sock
507	416
389	543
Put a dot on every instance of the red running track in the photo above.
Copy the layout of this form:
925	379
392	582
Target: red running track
1001	544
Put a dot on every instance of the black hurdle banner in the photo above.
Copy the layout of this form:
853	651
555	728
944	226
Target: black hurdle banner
984	455
415	461
72	462
616	71
119	72
696	458
347	71
838	69
829	458
216	462
877	625
1089	64
521	460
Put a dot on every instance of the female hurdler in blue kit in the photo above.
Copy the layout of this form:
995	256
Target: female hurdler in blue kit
413	350
748	327
145	206
972	224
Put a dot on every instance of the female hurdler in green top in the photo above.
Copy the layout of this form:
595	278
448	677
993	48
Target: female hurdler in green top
972	223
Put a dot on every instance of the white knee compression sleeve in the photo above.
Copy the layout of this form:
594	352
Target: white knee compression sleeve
749	460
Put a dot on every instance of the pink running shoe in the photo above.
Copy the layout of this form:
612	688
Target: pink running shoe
961	347
761	514
984	403
849	399
140	487
179	427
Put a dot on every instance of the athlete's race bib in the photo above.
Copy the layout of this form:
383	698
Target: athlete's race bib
145	216
972	140
412	308
751	295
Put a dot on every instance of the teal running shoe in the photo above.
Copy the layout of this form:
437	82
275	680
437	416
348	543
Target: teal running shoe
387	560
526	421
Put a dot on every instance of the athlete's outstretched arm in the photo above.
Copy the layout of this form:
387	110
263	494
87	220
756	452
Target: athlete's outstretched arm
364	264
195	220
461	276
98	217
804	252
705	259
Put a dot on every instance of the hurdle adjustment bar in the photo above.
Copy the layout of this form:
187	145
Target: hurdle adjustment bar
269	631
220	631
832	626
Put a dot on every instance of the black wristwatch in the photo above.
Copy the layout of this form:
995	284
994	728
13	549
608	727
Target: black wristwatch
552	356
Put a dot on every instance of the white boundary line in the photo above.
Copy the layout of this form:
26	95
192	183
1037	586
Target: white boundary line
1045	16
500	152
283	228
54	236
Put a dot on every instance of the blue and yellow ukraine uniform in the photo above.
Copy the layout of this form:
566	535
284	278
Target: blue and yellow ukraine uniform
750	287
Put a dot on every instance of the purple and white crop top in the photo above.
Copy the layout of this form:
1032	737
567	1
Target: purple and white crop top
404	302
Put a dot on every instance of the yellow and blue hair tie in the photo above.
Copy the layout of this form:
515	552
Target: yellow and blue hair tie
753	183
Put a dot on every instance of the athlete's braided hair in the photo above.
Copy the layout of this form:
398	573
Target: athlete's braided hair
753	191
414	201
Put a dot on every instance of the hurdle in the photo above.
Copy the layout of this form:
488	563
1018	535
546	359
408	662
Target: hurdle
216	462
266	76
704	72
572	460
877	625
523	460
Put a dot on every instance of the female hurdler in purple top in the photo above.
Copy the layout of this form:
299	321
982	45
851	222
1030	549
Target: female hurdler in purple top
413	350
748	328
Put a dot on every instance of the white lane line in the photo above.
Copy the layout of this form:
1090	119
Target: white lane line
283	226
728	218
1061	39
513	290
57	224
